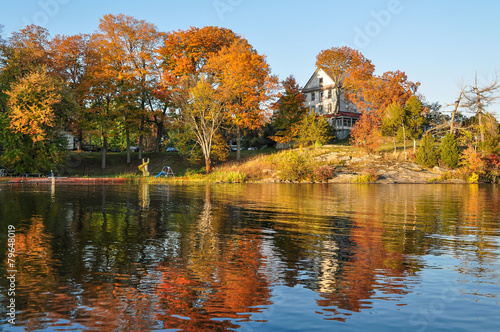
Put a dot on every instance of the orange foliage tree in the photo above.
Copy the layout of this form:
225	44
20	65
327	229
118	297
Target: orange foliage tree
245	81
130	54
184	57
68	61
240	75
186	52
366	133
378	92
347	67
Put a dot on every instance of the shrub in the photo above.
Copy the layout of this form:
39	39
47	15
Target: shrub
449	151
473	178
426	154
492	169
294	166
368	175
323	173
472	161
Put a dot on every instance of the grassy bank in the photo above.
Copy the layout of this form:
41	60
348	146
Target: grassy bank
336	163
89	164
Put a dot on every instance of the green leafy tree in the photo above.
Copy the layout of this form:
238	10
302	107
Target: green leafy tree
449	151
426	154
288	111
314	130
414	120
403	122
393	121
202	109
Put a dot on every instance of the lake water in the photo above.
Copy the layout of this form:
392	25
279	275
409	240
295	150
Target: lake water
251	257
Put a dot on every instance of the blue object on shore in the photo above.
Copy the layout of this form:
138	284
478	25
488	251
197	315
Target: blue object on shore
166	171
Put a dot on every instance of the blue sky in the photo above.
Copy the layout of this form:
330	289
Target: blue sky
437	43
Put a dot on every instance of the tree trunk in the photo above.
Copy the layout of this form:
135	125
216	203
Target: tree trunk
159	135
141	138
238	144
414	146
453	116
404	140
103	151
395	149
208	165
481	128
127	134
80	140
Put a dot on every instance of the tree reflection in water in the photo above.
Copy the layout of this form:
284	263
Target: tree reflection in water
208	258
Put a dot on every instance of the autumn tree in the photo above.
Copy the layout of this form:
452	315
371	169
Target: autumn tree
68	61
378	92
25	51
186	52
184	57
130	54
245	80
240	75
30	129
366	133
288	111
102	97
202	109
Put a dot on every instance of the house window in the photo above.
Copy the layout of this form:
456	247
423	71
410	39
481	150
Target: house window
320	111
347	122
329	93
321	96
313	96
321	81
330	108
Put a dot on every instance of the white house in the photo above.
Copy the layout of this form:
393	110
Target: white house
71	140
321	99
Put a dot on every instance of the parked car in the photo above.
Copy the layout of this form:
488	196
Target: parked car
252	148
171	149
4	171
134	148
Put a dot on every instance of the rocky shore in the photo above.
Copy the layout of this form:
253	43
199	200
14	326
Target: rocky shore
382	169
